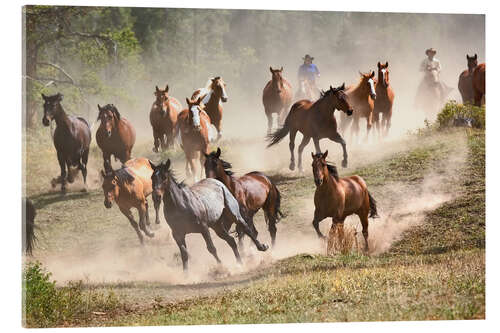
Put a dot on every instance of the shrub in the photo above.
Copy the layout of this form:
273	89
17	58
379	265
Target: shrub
453	111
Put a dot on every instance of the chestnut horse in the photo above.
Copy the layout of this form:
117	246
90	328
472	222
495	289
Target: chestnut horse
276	97
193	124
314	120
465	80
382	107
212	95
361	97
115	136
129	187
479	84
163	118
253	191
71	138
340	197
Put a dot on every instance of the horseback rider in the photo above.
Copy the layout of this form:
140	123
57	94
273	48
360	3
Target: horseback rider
308	72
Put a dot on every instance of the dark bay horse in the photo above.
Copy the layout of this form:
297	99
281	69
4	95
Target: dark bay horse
115	136
193	124
71	138
276	97
340	197
465	80
213	95
314	120
206	204
479	84
361	97
382	106
129	187
163	118
253	191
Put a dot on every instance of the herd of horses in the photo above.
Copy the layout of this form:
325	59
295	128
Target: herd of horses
221	199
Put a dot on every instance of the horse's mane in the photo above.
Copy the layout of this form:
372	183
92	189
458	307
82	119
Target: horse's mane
124	175
112	108
226	165
332	169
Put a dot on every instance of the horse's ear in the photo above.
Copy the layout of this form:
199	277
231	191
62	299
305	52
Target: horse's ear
386	64
331	88
281	69
167	164
373	74
157	90
475	56
99	107
152	165
325	154
360	73
166	88
188	101
198	101
270	69
312	155
378	64
343	86
217	154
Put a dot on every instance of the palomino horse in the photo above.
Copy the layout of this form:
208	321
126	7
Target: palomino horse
276	97
71	138
340	197
129	187
206	204
253	191
465	80
193	124
382	107
212	95
314	120
479	83
115	136
163	118
361	97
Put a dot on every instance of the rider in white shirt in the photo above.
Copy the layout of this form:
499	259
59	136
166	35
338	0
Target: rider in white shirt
430	62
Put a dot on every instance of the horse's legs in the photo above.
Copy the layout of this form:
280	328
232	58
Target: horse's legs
222	233
337	138
156	138
156	203
180	239
128	214
303	144
107	161
315	223
355	129
316	145
269	116
143	218
147	213
364	223
368	125
83	165
291	145
210	244
378	124
163	142
246	229
202	163
271	225
62	165
387	120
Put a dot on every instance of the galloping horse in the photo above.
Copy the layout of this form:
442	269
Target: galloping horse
253	191
314	120
115	136
129	187
361	97
212	95
206	204
340	197
71	138
276	97
479	83
465	80
163	118
384	101
193	124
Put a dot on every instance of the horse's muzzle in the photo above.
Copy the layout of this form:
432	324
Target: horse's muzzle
349	112
318	181
45	121
108	204
224	99
108	133
373	96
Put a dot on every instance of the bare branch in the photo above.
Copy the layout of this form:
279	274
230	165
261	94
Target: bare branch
58	68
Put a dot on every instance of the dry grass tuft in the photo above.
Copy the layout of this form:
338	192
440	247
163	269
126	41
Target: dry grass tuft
342	240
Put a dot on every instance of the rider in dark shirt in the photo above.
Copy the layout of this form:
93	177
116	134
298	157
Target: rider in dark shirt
308	72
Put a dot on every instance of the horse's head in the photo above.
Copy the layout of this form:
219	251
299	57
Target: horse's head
320	167
383	74
195	107
219	88
109	116
277	79
161	101
368	82
110	187
471	62
158	177
51	105
214	165
340	99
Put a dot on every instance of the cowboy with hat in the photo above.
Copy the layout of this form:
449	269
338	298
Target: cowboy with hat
308	72
430	63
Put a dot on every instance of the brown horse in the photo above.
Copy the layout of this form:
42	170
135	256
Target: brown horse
340	197
128	187
212	95
382	106
71	138
193	124
276	97
465	80
479	84
253	191
115	136
163	118
314	120
361	97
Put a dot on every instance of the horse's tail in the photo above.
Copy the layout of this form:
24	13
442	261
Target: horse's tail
28	224
373	206
280	133
278	214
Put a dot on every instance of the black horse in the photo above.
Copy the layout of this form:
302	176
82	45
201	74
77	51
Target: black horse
206	204
71	138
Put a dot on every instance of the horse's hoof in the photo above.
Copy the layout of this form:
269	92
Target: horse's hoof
155	150
85	189
344	163
292	166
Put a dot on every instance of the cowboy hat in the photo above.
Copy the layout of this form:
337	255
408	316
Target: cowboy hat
307	56
431	50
